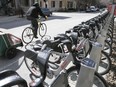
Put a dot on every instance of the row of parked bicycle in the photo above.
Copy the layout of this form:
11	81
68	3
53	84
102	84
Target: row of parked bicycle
58	62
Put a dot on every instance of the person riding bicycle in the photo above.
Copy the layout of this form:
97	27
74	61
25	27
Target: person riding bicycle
32	14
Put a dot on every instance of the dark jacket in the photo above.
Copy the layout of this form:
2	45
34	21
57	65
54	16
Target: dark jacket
34	12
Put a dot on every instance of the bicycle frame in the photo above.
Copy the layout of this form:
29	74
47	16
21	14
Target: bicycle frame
60	72
66	59
39	21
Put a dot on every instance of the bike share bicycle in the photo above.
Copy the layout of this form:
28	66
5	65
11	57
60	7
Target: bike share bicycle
65	59
85	45
36	64
28	32
49	43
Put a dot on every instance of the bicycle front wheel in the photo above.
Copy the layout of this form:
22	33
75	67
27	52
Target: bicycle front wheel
105	64
27	35
33	67
42	29
73	73
107	48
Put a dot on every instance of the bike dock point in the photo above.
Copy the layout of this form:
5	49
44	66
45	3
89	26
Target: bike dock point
89	66
86	73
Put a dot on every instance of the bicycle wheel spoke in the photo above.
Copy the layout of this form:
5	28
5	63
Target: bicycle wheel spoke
73	74
42	29
27	35
32	67
105	64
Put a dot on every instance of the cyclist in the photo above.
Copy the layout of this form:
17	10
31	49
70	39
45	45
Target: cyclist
32	14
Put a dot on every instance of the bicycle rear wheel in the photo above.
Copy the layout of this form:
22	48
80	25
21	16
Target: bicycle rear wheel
105	64
107	48
42	29
73	73
27	35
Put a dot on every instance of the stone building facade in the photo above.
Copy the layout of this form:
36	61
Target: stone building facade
54	5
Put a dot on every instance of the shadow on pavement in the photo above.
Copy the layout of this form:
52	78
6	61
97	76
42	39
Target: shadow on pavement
14	23
14	63
17	22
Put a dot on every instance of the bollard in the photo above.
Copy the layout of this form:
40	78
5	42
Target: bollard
95	54
101	40
86	74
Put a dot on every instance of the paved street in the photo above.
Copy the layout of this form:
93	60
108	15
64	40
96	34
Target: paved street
58	23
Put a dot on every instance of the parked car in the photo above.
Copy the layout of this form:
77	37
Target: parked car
46	11
92	9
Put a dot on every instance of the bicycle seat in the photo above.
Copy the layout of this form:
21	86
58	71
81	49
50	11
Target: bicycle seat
74	37
84	31
54	44
96	20
37	48
11	78
62	37
92	23
68	31
68	43
68	40
99	18
85	26
76	28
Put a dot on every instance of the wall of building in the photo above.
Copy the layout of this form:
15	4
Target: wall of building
64	4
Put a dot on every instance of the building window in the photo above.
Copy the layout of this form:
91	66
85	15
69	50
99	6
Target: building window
53	4
60	4
70	4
